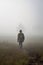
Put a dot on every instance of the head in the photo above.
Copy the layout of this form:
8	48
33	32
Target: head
20	31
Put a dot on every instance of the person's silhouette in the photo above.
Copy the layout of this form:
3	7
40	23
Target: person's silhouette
20	38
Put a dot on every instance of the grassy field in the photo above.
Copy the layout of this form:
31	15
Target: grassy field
11	54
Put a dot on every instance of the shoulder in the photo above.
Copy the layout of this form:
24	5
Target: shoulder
18	34
22	33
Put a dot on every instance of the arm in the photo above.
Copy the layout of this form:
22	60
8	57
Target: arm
23	37
18	38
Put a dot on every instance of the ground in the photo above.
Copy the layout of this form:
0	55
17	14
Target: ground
11	54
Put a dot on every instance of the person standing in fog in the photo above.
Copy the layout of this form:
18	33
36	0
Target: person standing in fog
20	38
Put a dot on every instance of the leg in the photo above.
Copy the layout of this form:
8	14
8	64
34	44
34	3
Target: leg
21	45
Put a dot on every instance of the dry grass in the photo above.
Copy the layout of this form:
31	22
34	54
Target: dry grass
11	54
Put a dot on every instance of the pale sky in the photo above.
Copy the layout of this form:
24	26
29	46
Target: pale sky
29	13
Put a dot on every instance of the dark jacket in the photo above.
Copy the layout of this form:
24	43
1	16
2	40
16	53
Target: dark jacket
20	37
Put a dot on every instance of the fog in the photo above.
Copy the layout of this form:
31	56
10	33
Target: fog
28	13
